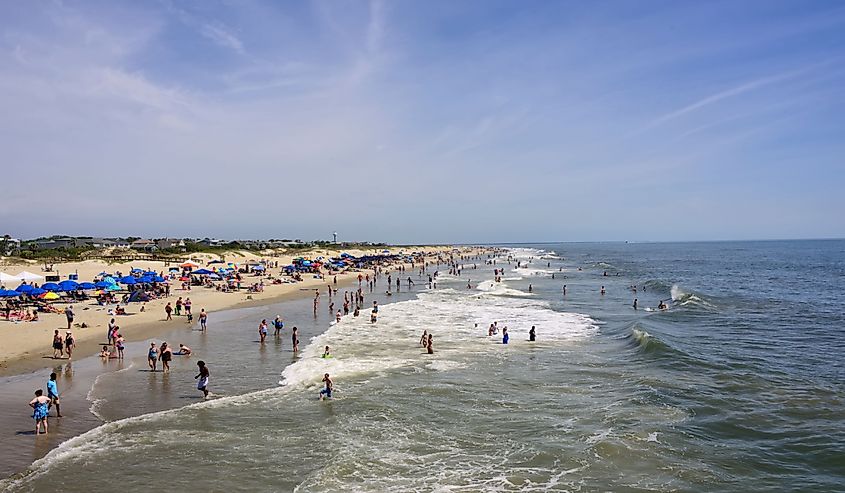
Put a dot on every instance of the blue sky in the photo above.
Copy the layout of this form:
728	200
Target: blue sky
440	121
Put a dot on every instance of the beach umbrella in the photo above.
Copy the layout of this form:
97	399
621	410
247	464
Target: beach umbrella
158	279
202	272
68	285
103	274
37	292
8	293
145	279
102	284
87	285
189	264
151	273
50	286
134	271
128	280
24	288
49	296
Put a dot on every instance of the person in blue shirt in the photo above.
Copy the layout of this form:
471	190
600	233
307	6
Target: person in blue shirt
505	336
53	393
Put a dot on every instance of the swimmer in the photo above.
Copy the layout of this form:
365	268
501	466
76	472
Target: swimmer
428	346
530	288
104	353
203	375
602	290
662	305
262	330
326	393
423	338
532	334
152	356
327	353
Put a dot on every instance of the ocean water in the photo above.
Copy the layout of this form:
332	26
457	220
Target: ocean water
738	386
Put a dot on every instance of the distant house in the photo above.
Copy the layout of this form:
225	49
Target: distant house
211	242
168	243
143	245
9	246
52	243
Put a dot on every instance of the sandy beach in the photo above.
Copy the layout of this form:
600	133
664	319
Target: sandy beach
26	345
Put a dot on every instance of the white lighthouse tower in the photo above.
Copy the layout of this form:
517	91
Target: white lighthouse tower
335	236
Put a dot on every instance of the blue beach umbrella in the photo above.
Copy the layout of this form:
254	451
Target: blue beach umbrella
145	279
87	285
112	287
50	286
128	280
24	288
158	279
202	272
37	292
136	271
8	293
68	285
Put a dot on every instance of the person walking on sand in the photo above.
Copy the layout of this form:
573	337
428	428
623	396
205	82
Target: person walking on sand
187	305
168	310
262	330
178	306
152	357
294	339
203	319
70	343
326	393
53	394
69	316
41	409
203	375
58	345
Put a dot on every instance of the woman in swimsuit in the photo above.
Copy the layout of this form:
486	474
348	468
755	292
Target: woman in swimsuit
40	405
152	356
69	344
166	355
262	330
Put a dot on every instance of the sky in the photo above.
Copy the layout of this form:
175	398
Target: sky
423	122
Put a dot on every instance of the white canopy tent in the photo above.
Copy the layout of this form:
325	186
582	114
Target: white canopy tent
28	276
7	278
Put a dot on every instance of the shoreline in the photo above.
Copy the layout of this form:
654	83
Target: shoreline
22	374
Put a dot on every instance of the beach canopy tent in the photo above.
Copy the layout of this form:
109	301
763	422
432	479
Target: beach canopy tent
128	280
214	276
50	286
68	285
202	272
7	278
189	265
216	262
28	276
258	267
49	296
24	288
8	293
138	296
87	285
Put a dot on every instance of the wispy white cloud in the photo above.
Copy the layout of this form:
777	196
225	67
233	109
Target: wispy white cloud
222	37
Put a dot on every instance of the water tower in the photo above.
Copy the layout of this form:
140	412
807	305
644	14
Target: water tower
335	236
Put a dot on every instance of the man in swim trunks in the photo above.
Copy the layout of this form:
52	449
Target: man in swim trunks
58	345
203	375
53	394
327	392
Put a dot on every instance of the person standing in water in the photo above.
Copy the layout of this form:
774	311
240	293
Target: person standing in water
262	330
327	353
203	319
69	344
165	356
423	338
505	336
532	334
635	303
278	325
58	345
203	375
152	356
429	347
326	393
53	394
41	409
294	339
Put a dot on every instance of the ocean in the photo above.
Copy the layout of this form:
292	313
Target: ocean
738	386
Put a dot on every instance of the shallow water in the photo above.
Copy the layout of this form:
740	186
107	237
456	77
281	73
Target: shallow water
737	387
